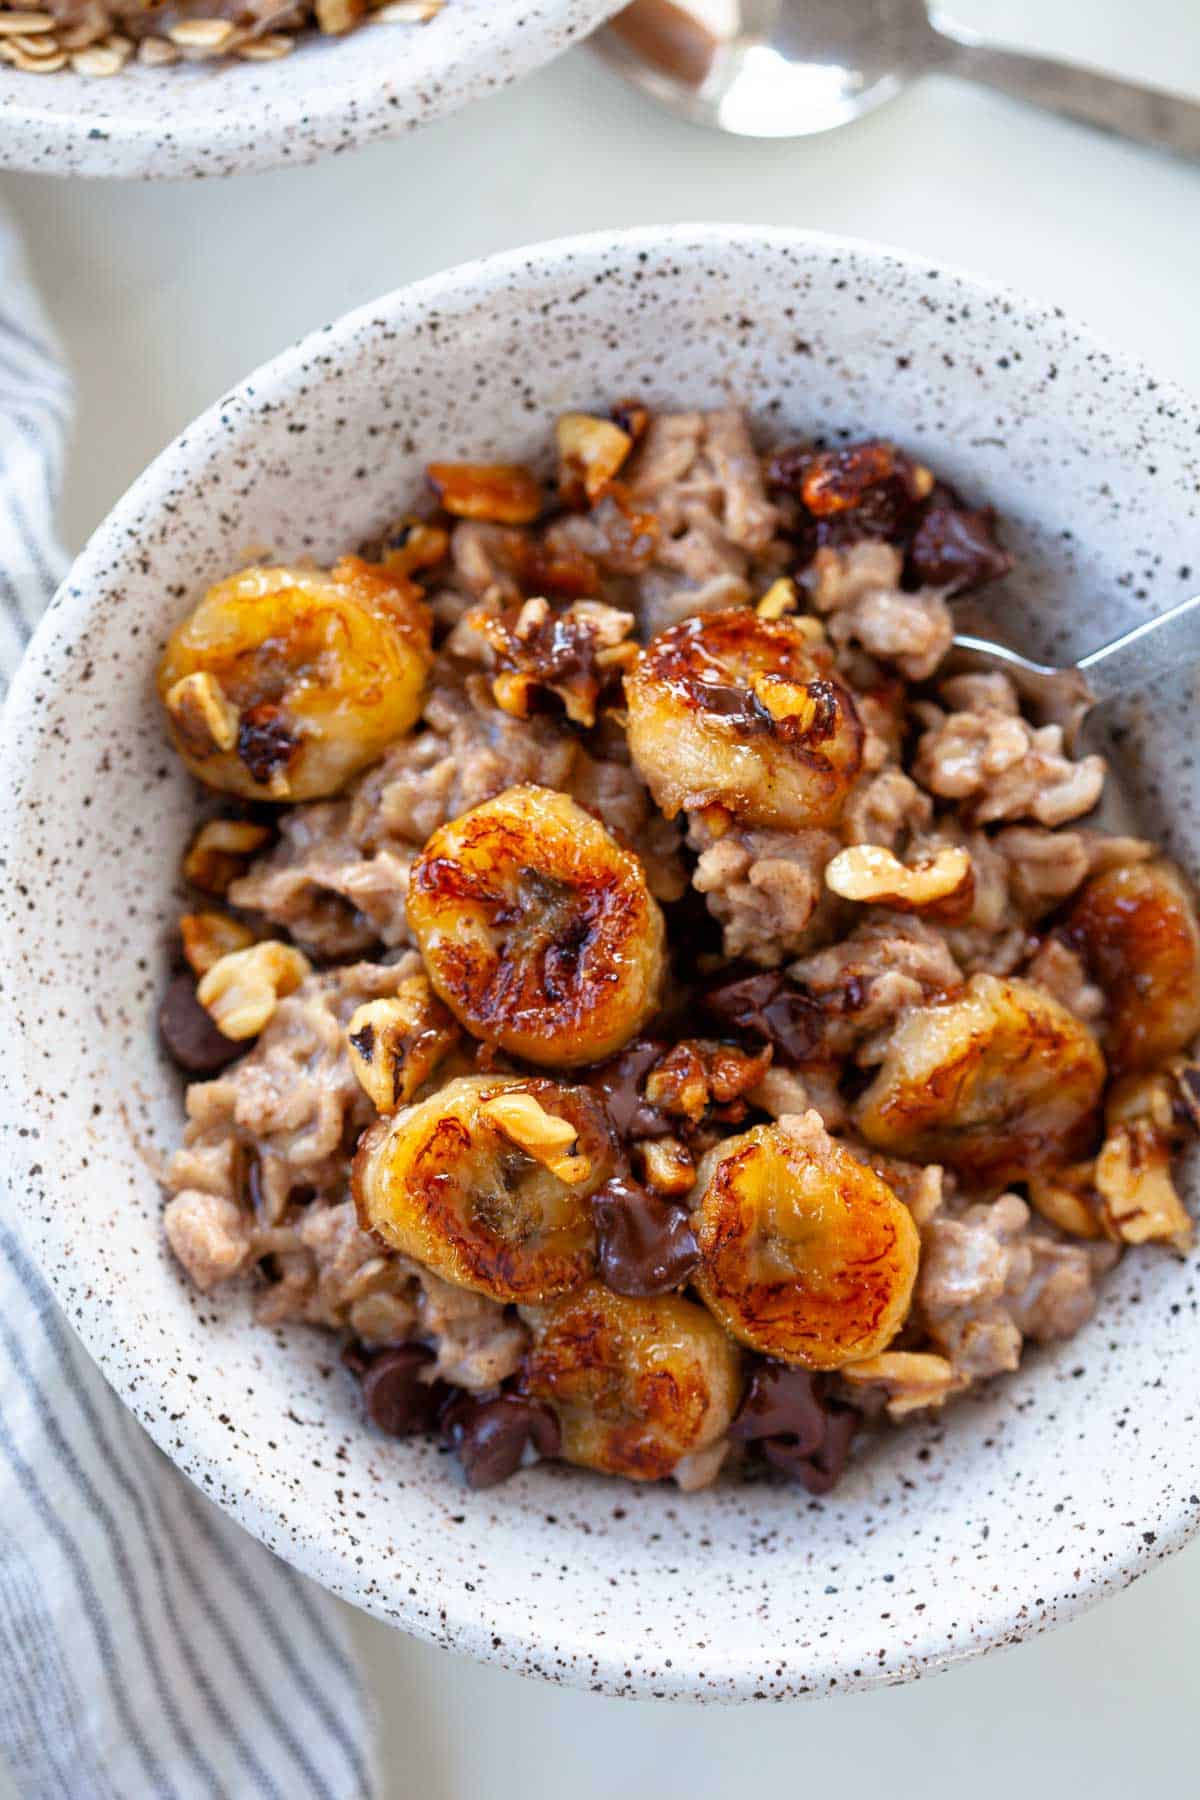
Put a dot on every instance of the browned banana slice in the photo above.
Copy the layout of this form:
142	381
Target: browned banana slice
806	1253
735	711
537	928
1136	926
996	1082
488	1183
283	683
637	1385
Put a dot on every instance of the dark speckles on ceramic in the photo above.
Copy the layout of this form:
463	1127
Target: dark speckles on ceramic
971	1532
330	95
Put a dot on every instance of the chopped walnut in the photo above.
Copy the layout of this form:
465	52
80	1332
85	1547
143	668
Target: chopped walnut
413	544
503	493
590	453
219	852
940	886
779	599
571	653
909	1379
1133	1180
208	936
666	1165
1067	1198
395	1044
206	721
700	1073
240	992
549	1140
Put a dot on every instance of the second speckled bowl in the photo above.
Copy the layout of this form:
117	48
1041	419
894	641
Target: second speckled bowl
959	1535
330	95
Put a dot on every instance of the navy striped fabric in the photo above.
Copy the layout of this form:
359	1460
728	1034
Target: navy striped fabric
148	1646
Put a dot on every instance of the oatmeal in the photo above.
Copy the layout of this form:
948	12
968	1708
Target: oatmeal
655	1017
99	38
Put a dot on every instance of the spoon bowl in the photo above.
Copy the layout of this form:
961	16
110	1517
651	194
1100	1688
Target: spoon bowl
794	68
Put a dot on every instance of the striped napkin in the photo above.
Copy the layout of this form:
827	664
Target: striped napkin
148	1646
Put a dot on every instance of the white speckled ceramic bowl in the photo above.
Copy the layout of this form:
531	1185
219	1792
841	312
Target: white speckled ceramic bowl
328	96
969	1532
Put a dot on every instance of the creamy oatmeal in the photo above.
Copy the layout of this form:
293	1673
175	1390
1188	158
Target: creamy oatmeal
647	1008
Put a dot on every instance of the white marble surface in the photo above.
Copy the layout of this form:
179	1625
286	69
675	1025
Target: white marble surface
166	295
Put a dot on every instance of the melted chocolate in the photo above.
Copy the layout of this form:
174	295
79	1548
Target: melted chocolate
190	1037
769	1006
493	1438
645	1244
790	1420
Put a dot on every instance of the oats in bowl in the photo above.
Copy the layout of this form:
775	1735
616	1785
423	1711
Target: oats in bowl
100	37
655	1017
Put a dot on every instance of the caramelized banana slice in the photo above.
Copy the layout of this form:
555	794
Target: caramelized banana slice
488	1183
735	711
537	928
806	1253
1136	927
285	682
1000	1081
637	1385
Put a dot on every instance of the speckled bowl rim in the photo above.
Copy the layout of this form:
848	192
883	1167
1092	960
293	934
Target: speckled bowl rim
202	1437
264	117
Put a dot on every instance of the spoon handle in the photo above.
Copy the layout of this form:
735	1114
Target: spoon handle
1169	642
1148	115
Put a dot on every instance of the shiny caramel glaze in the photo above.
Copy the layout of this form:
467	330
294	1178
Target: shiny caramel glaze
323	669
733	711
442	1183
636	1384
806	1253
998	1081
1136	928
537	928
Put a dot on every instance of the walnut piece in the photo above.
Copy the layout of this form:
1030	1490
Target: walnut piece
208	936
911	1379
219	851
206	721
240	993
506	493
1133	1180
395	1044
1067	1198
667	1165
942	884
590	452
780	598
549	1140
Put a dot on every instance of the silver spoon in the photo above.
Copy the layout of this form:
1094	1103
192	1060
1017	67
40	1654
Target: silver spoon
1161	645
790	68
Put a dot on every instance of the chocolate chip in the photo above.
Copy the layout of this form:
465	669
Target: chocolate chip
737	706
189	1034
771	1007
618	1082
822	1469
788	1417
645	1245
396	1397
956	549
493	1438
